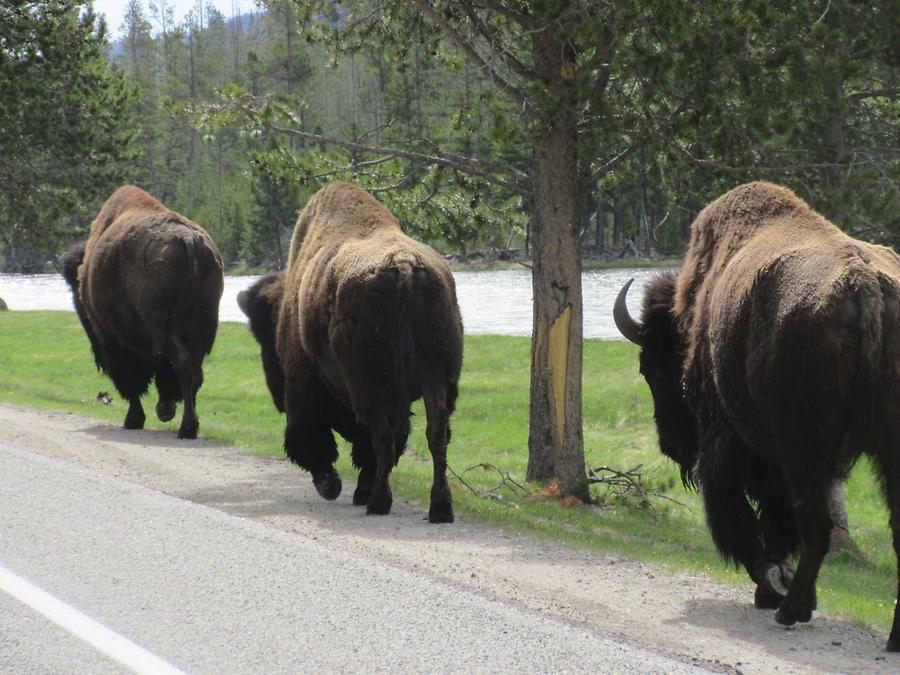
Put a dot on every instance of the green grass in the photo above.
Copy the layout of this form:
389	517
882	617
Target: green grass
45	362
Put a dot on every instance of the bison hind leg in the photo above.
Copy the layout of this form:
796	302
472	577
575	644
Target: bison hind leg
328	483
308	438
186	367
169	389
135	417
888	464
383	443
437	432
774	583
814	519
364	459
363	486
131	375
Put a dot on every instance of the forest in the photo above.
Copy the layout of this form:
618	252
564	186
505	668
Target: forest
434	107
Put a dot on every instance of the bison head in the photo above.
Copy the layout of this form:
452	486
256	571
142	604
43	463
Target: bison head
662	360
261	303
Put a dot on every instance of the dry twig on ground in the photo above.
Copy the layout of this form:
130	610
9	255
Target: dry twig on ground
625	485
506	481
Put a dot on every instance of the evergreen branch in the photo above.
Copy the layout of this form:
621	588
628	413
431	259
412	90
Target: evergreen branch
354	166
888	92
470	52
403	183
523	20
375	130
612	163
518	182
785	169
496	46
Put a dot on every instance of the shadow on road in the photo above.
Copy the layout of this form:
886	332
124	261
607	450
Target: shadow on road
820	644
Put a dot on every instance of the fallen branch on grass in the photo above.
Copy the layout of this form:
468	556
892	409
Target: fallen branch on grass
506	481
624	485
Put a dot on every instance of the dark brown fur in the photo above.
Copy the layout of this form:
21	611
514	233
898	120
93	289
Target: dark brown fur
779	342
146	286
365	322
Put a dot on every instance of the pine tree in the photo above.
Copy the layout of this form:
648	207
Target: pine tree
64	121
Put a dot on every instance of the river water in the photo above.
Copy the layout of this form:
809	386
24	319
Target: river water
496	302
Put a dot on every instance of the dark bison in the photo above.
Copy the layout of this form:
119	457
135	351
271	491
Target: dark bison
146	286
363	322
773	359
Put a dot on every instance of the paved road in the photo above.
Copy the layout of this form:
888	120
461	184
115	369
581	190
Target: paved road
206	591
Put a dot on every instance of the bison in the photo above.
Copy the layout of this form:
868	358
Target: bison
363	322
773	360
146	286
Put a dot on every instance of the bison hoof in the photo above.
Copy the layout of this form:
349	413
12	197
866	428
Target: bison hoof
791	612
766	598
134	420
165	410
893	644
361	496
328	484
379	504
188	432
378	508
776	579
440	512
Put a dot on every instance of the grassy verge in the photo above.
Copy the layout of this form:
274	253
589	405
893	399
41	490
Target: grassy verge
45	362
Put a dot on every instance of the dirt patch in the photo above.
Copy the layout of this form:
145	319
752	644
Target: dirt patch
683	614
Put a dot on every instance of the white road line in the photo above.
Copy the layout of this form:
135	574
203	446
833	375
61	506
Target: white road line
101	638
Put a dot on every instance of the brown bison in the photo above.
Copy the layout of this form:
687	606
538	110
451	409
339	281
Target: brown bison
363	322
773	359
146	286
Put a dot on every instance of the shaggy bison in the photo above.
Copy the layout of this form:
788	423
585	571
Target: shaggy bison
773	359
146	286
363	322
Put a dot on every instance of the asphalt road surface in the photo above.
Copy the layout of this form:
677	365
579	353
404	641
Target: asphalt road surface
205	591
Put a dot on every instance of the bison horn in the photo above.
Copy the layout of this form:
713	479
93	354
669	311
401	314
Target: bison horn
243	301
627	326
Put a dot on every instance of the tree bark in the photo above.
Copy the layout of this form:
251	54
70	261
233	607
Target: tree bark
555	442
840	525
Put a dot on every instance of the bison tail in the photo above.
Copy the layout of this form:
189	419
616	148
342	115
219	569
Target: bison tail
187	298
404	333
871	292
193	306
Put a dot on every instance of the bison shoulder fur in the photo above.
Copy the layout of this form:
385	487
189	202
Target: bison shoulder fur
363	322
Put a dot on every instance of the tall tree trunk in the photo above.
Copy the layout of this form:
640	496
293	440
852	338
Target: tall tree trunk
555	442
